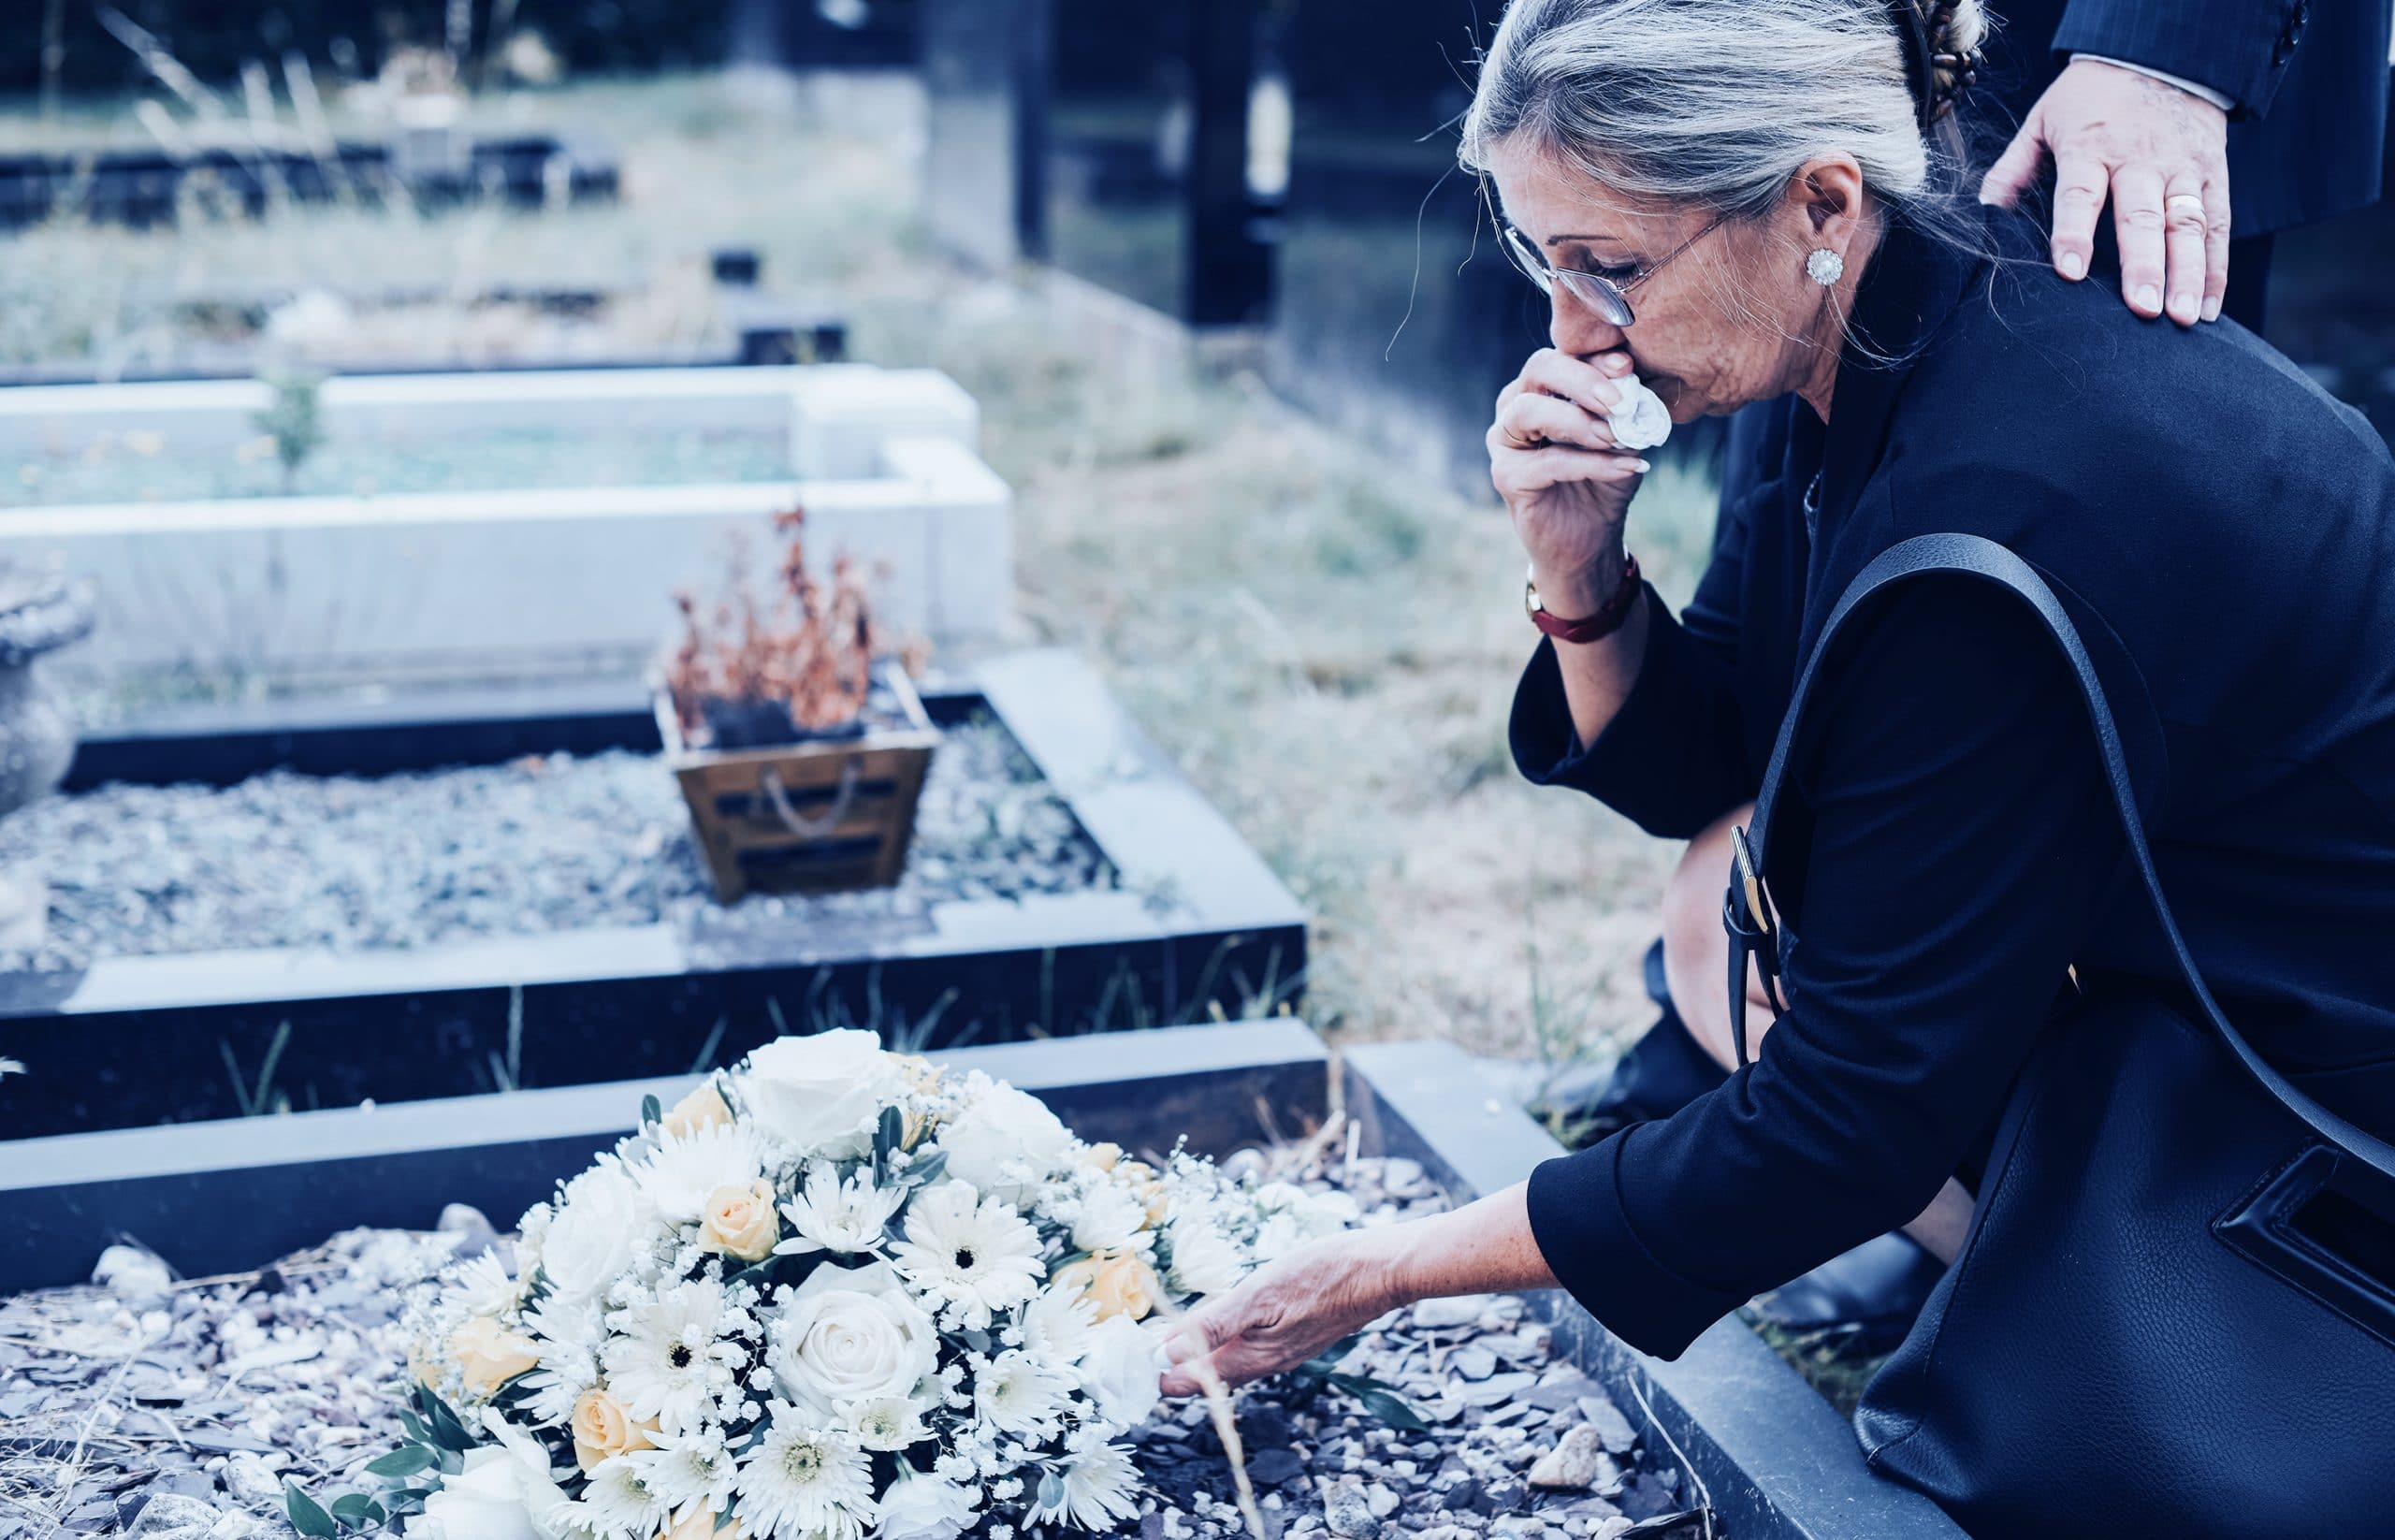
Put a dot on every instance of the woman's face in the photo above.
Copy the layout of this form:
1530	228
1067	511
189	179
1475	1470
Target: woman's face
1731	319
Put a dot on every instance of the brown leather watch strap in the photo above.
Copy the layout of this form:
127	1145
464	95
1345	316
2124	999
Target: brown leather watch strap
1604	623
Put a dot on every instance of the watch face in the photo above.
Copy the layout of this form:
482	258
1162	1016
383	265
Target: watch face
1529	598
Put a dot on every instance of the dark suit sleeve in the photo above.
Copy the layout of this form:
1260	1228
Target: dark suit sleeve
2239	48
1960	833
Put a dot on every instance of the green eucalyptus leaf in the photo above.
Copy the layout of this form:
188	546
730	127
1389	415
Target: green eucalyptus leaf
306	1516
357	1510
652	1111
1386	1405
407	1461
1051	1490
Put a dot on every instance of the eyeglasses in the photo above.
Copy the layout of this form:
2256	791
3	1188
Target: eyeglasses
1600	294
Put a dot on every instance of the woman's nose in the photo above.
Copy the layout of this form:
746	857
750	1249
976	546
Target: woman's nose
1574	326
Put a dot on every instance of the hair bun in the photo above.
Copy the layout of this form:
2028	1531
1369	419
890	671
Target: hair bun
1942	40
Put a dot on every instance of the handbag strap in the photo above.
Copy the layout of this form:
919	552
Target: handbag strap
1977	557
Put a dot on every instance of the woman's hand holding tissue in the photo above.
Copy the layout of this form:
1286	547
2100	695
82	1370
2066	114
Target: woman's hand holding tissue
1564	454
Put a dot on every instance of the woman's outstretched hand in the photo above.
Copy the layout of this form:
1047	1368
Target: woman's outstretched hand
1287	1311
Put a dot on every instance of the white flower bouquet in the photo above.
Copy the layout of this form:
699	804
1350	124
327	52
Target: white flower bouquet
833	1295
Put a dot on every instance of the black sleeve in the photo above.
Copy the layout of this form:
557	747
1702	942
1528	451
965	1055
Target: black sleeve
1674	758
1960	832
2239	48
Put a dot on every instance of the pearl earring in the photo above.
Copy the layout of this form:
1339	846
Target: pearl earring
1824	266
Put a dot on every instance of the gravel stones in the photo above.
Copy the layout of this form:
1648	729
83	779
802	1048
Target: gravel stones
545	844
1577	1463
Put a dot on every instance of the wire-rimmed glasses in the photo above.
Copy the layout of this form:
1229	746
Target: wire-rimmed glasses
1607	298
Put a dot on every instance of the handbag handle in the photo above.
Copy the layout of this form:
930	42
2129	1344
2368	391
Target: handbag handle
1975	556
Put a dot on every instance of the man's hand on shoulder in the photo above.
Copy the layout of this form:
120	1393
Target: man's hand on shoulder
2160	154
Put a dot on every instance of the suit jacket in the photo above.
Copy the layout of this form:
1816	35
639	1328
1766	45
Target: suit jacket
2308	135
2224	532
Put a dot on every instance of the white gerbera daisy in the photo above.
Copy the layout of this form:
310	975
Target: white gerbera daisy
1056	1323
620	1500
1018	1392
1098	1486
680	1173
969	1255
670	1358
884	1423
695	1467
830	1215
802	1483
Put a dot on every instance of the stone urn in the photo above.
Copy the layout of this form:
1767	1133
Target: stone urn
39	613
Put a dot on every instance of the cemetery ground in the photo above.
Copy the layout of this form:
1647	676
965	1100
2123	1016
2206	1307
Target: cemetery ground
1326	639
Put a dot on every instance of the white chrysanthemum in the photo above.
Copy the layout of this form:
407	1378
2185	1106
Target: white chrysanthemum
1111	1216
1056	1323
680	1173
566	1334
1019	1392
618	1500
669	1360
802	1483
830	1215
1205	1260
1279	1235
1097	1486
694	1467
484	1287
969	1253
884	1423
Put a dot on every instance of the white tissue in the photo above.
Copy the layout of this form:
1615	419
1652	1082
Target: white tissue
1638	419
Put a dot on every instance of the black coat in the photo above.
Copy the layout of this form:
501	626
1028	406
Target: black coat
2308	78
2225	532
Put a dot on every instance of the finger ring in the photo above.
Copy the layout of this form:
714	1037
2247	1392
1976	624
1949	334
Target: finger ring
2177	198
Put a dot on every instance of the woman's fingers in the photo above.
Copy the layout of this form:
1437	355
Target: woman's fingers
1528	473
1586	384
1533	420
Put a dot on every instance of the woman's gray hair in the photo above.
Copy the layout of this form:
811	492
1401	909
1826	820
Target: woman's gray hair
1713	102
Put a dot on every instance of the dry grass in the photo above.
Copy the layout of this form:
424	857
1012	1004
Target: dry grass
1326	642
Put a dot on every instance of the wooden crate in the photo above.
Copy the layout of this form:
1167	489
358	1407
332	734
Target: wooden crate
818	817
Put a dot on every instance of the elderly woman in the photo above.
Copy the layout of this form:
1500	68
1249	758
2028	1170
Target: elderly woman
1741	201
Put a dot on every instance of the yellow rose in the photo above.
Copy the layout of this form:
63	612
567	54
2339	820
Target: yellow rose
740	1222
1104	1156
488	1355
603	1426
1119	1282
697	1522
703	1108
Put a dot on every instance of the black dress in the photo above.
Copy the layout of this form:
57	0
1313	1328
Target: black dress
2224	534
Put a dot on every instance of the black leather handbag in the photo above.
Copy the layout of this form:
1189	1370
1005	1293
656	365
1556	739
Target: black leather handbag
2174	1311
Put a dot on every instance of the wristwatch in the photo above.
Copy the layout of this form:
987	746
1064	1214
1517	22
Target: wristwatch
1596	626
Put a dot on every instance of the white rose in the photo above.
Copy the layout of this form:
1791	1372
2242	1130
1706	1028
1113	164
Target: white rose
926	1507
1204	1259
823	1092
851	1334
504	1492
598	1230
1122	1367
1005	1142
